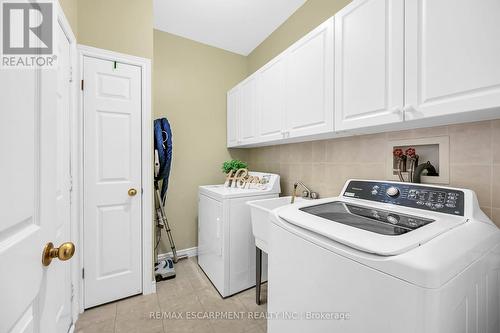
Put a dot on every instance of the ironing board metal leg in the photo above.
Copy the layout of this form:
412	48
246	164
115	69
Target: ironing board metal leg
258	274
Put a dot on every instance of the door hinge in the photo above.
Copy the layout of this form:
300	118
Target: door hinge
82	85
71	74
71	184
83	273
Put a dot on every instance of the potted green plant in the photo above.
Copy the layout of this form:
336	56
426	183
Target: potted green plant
233	165
230	167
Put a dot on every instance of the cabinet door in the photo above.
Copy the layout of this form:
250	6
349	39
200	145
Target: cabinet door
452	57
272	100
309	83
369	69
233	106
248	113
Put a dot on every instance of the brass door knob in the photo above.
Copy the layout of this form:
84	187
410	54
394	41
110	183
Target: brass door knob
132	192
63	252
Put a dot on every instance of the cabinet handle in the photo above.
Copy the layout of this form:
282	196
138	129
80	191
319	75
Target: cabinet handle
409	108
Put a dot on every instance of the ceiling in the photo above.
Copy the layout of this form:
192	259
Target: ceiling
238	26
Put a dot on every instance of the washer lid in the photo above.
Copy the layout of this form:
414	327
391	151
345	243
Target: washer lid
220	192
372	219
270	185
380	229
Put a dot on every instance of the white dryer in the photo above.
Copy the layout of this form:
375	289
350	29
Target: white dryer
226	245
385	257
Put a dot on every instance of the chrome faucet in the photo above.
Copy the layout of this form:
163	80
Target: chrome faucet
306	194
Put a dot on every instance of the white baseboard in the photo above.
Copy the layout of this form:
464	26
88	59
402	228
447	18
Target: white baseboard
190	252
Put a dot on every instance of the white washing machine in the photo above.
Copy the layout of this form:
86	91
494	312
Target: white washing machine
384	257
226	245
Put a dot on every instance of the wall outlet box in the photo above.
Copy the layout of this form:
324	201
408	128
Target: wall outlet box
435	150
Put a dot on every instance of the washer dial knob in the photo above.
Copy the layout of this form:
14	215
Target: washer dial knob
392	191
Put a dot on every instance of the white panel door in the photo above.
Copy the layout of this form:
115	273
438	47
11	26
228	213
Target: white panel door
233	108
271	92
28	178
369	69
112	167
56	306
31	209
248	112
452	56
309	83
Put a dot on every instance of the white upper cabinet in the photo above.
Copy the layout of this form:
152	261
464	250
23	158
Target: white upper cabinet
309	83
233	106
248	115
271	90
373	66
452	57
369	68
291	96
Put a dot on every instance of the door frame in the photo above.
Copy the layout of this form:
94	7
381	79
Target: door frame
73	114
148	282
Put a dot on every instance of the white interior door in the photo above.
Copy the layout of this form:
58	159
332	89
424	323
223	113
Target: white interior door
452	56
112	171
369	44
31	208
28	179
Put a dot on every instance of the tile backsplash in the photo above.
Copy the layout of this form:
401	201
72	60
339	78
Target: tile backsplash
325	165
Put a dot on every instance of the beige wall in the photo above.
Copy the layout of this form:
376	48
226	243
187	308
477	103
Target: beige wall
121	26
190	82
305	19
117	25
70	9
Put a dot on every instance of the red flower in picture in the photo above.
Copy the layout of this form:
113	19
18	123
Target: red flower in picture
398	152
411	152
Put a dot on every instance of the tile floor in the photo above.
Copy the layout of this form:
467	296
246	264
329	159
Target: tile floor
189	294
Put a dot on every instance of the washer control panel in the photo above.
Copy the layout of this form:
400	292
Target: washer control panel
443	200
